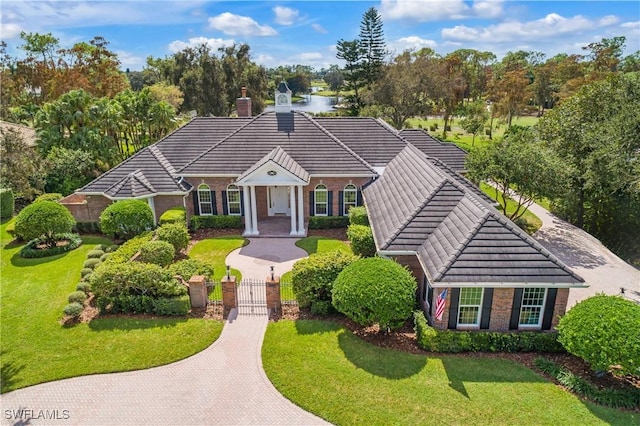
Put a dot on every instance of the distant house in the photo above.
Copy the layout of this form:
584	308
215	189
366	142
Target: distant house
286	166
28	134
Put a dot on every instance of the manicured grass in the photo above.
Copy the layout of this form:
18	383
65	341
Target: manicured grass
322	245
35	348
214	251
326	370
533	222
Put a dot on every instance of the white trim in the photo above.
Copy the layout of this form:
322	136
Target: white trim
345	212
478	319
292	211
315	200
301	231
239	202
542	307
254	214
153	209
260	177
226	175
247	210
210	202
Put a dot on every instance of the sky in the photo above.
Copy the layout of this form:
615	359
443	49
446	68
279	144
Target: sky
306	32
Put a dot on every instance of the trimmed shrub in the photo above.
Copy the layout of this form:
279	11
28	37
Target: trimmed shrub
215	222
176	214
91	263
95	254
157	252
88	227
328	222
73	310
174	233
312	277
375	291
126	218
175	306
112	248
83	286
358	216
104	257
49	196
189	267
85	271
44	219
362	242
603	330
32	250
77	297
7	203
435	340
134	278
126	251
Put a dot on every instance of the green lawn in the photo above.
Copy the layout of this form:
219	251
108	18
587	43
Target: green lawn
533	222
215	250
316	245
35	348
326	370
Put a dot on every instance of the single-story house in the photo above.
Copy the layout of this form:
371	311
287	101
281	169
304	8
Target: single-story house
287	165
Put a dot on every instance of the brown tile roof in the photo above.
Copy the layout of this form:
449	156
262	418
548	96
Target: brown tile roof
280	157
447	152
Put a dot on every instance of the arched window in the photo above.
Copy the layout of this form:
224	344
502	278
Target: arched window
233	200
321	200
204	200
350	198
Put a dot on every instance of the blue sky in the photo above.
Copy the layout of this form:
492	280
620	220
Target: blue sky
306	32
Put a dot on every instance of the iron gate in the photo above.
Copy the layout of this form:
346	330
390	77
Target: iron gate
251	297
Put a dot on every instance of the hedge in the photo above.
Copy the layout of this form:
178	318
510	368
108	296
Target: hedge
435	340
135	278
328	222
126	218
31	251
7	203
216	222
362	242
358	216
49	196
189	267
142	304
127	250
157	252
176	214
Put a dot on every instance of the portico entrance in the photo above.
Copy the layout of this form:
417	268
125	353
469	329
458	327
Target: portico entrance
278	200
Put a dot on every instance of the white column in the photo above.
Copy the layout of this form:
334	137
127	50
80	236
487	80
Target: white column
254	214
247	210
300	212
292	204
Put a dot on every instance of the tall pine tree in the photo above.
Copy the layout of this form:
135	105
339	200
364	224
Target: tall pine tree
372	44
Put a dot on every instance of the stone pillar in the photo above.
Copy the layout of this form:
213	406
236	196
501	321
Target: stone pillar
273	293
229	297
248	227
254	212
300	212
198	291
292	203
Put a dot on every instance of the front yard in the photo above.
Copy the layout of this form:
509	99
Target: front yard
325	369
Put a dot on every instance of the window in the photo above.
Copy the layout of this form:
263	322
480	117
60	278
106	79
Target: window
233	200
350	198
204	200
532	307
469	308
321	201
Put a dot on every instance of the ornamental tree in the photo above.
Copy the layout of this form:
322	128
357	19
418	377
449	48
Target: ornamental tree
603	330
375	291
126	218
44	219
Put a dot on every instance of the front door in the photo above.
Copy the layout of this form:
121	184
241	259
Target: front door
279	200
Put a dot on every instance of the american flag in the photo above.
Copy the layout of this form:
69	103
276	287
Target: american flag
440	301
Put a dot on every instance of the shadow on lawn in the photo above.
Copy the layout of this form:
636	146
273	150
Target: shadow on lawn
125	323
316	327
20	262
8	373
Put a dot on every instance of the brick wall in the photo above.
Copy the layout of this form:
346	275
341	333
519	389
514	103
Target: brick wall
86	208
335	184
442	324
501	309
162	203
560	308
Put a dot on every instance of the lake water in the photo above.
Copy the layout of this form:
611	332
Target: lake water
313	103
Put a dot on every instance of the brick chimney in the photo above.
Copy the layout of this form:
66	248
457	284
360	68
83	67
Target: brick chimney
243	104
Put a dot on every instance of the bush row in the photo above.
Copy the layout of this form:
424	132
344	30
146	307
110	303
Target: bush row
189	267
362	242
174	215
328	222
31	250
358	216
614	398
143	304
128	249
134	278
435	340
216	222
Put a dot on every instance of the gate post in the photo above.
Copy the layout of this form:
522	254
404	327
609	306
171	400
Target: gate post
198	291
272	285
229	300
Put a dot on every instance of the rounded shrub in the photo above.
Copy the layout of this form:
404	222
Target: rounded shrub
95	254
604	331
134	278
176	214
362	242
174	233
84	287
157	252
73	310
49	196
85	271
189	267
126	219
77	297
43	220
104	257
111	248
7	203
375	291
91	263
358	216
312	278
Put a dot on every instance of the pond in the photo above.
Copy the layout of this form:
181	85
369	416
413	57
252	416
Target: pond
313	103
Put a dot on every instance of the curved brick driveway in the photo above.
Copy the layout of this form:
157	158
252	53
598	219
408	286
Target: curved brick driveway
224	384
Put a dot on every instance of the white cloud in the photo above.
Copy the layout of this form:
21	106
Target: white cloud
551	26
235	25
318	28
410	43
310	56
285	15
631	25
130	60
213	43
9	30
437	10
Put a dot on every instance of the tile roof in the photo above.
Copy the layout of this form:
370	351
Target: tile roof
281	158
133	185
457	235
447	152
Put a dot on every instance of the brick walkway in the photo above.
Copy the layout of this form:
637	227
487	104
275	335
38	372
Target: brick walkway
224	384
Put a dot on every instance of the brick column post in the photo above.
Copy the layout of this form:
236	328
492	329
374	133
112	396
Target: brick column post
273	293
198	291
228	294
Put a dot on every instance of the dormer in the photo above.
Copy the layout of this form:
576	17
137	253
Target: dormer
283	98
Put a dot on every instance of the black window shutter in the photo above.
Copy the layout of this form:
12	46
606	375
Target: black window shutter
453	308
241	203
548	308
330	203
312	209
429	296
515	309
196	204
359	201
225	207
485	315
340	203
214	203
